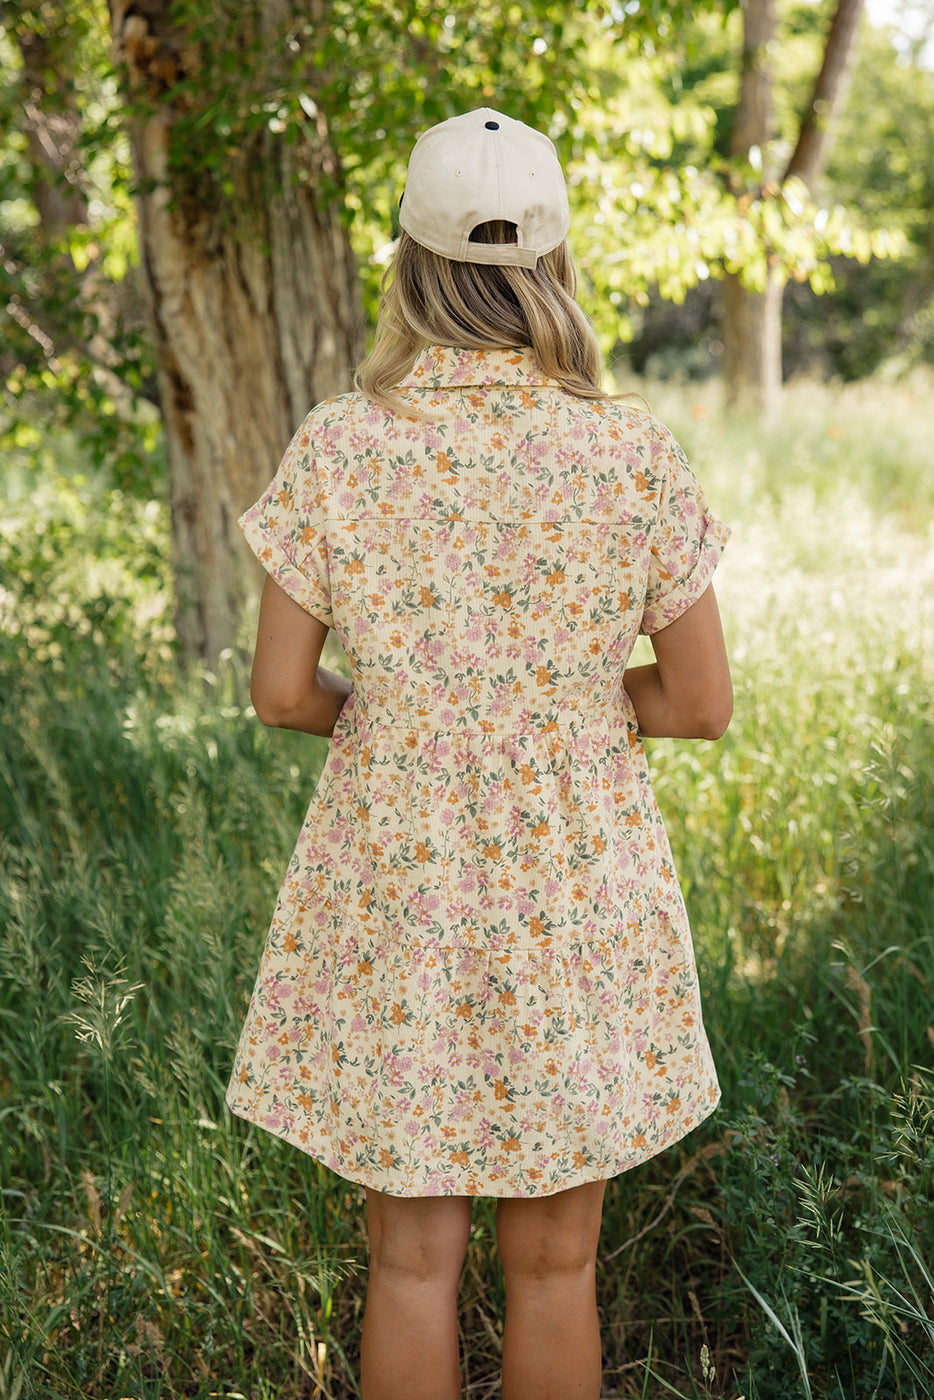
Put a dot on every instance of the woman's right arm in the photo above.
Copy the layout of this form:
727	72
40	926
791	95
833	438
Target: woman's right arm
687	692
288	688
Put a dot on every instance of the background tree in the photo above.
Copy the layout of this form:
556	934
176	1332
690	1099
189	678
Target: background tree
751	316
249	269
71	352
876	311
860	241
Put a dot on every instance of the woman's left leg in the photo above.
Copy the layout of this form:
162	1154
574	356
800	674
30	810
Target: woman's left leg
409	1348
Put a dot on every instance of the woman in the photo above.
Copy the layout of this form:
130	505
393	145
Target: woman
479	978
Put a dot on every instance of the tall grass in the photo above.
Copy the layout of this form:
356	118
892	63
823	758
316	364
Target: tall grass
154	1247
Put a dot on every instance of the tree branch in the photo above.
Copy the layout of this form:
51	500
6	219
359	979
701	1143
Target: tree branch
55	340
810	154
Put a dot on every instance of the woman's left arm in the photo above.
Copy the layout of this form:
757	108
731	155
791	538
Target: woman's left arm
288	688
687	692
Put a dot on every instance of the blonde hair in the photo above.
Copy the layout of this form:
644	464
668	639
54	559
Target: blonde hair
430	300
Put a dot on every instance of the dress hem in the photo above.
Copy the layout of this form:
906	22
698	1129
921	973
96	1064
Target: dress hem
369	1182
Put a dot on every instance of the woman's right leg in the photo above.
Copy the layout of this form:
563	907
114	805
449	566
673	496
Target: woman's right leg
548	1249
409	1341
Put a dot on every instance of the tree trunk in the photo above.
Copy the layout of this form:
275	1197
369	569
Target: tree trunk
752	345
752	121
52	127
751	321
254	308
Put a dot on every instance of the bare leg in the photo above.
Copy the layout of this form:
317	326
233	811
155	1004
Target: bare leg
409	1348
548	1248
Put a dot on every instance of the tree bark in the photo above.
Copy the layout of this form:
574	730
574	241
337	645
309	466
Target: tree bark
752	121
52	128
254	307
752	325
810	154
751	321
752	345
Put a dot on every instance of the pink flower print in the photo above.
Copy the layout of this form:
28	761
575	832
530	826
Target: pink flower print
484	1136
502	702
446	682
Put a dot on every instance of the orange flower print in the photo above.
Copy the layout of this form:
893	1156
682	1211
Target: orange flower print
479	977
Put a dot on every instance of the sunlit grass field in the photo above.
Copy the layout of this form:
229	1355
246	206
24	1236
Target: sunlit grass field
152	1246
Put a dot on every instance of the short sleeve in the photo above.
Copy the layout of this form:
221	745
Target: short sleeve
286	528
686	543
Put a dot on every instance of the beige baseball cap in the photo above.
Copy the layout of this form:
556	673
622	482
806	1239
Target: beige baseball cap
483	166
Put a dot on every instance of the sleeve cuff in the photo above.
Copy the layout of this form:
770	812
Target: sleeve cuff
307	589
665	608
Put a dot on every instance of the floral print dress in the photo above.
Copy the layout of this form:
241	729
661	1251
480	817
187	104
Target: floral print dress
479	978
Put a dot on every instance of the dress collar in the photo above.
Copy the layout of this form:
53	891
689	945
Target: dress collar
443	367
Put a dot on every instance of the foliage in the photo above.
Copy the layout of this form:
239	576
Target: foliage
884	150
151	1246
872	308
76	352
636	98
